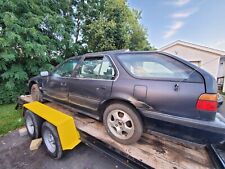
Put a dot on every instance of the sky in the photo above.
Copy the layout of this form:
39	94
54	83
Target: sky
197	21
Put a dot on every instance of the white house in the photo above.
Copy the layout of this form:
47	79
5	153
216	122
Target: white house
211	60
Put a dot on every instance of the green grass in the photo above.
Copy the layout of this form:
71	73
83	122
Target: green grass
10	119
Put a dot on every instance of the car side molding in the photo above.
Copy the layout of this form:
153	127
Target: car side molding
217	126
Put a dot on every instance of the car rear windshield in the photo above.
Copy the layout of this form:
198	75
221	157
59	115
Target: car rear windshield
157	66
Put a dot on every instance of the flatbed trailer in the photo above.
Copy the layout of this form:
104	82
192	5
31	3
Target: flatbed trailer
152	151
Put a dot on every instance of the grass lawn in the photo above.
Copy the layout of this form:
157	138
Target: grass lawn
10	119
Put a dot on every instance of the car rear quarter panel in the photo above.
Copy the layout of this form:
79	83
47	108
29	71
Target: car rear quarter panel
158	95
163	98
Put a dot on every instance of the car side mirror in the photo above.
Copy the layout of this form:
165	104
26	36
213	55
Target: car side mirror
44	73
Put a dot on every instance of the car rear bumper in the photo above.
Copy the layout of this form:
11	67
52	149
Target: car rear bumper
216	126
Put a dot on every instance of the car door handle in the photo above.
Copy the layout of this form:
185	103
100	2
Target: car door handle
100	88
63	83
176	87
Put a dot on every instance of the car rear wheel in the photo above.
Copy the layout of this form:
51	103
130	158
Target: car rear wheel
36	94
33	124
123	123
51	140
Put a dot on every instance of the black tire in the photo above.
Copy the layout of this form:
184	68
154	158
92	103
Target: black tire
134	116
49	128
35	121
36	94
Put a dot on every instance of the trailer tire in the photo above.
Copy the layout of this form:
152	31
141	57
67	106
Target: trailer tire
51	140
33	124
123	123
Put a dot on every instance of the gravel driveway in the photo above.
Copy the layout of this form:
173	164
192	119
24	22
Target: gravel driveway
15	154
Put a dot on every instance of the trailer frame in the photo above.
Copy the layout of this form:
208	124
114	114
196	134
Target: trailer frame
215	152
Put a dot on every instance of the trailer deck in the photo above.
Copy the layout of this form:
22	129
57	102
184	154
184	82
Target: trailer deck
152	151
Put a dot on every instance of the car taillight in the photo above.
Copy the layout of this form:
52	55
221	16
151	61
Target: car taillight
207	102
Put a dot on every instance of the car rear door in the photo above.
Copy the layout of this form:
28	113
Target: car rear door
57	82
91	83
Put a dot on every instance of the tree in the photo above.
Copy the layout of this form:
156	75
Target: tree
138	40
34	34
111	24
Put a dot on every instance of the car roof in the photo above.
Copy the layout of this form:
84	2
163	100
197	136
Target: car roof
111	52
121	52
117	52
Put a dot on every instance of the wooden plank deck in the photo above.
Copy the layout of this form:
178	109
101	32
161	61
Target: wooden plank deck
155	151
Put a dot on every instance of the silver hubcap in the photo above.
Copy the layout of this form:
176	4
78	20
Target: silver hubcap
120	124
30	125
49	141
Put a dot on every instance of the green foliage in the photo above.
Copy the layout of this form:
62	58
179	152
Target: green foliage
110	25
10	118
34	34
29	33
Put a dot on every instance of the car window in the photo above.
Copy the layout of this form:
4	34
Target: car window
96	68
66	69
107	70
155	66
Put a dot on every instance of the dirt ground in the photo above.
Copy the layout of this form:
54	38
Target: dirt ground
15	154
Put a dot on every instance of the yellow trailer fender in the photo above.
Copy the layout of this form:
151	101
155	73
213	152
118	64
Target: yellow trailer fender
67	131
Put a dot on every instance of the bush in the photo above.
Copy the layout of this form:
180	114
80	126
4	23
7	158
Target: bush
36	33
8	95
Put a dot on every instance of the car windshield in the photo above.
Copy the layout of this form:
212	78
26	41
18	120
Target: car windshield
154	66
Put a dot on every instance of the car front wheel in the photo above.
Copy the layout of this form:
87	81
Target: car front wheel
123	123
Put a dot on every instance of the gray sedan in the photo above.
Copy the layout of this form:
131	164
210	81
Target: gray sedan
125	89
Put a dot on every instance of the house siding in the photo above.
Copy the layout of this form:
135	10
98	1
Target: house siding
208	61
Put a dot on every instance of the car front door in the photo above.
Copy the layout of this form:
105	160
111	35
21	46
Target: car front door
57	82
92	83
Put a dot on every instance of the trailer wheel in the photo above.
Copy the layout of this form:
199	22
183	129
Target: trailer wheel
123	123
51	140
33	124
